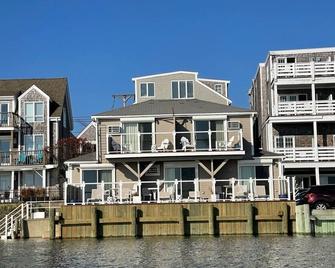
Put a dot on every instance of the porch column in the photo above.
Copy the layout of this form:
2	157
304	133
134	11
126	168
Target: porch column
11	196
315	138
317	175
275	91
270	137
313	98
44	178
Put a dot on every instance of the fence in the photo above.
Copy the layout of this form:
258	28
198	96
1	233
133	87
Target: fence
176	191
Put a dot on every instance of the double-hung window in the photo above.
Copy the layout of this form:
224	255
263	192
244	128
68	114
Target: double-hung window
182	89
34	112
147	89
33	142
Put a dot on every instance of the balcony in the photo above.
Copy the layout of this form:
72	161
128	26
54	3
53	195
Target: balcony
26	158
138	144
305	154
306	107
12	121
304	70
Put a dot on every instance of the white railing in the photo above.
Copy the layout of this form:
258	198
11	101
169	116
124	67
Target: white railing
25	211
196	141
306	107
190	190
299	154
304	70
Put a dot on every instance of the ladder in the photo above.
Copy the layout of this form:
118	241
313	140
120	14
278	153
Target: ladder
8	224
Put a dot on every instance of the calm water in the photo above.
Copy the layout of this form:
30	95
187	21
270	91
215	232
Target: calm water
172	252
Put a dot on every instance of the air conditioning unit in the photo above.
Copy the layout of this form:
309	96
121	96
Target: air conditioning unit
154	171
114	130
234	125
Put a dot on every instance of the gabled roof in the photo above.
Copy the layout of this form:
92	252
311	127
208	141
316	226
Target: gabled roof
173	107
55	88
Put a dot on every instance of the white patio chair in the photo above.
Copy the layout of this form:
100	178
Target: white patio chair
230	142
220	145
96	195
186	144
260	192
241	191
163	147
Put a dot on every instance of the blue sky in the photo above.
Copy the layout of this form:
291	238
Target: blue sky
100	45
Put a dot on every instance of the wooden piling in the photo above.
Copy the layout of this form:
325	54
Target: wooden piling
134	221
307	219
181	221
250	219
52	224
23	233
211	220
284	218
94	222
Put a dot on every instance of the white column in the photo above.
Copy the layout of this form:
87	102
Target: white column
313	97
317	175
225	133
44	178
315	137
270	137
275	91
11	196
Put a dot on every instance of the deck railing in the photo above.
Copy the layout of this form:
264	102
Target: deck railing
300	154
304	70
196	141
26	158
189	190
306	107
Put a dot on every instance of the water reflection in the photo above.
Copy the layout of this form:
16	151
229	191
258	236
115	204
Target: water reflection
234	251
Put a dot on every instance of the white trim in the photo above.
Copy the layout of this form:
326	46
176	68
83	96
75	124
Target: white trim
303	50
86	128
256	160
137	119
164	74
96	166
69	162
35	88
174	154
208	117
214	80
252	135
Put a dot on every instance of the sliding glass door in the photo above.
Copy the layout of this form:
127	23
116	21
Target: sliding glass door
185	176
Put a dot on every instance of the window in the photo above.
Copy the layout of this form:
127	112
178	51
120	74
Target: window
31	179
3	113
33	142
284	142
218	88
34	111
97	176
297	97
281	60
182	89
147	89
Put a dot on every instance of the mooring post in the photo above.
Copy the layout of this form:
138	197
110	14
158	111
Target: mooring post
250	219
307	219
285	218
134	221
211	220
23	233
181	221
51	223
94	222
16	227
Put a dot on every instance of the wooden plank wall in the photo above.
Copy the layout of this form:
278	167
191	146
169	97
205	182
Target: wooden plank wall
259	217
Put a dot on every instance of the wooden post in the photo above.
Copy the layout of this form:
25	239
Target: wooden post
299	220
16	229
181	221
285	218
307	219
134	222
52	223
250	219
23	233
94	222
211	220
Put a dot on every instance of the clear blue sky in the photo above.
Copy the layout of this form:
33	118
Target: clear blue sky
100	45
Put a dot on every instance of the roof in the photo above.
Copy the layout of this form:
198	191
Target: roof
55	88
163	74
83	158
303	50
173	107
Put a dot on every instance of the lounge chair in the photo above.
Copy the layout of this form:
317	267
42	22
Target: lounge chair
241	191
163	147
96	195
260	192
185	143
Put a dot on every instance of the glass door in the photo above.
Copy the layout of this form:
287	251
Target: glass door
146	136
201	135
130	143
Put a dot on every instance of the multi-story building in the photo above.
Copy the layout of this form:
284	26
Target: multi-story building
181	139
34	115
293	93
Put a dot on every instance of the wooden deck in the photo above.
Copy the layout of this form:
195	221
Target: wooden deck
228	218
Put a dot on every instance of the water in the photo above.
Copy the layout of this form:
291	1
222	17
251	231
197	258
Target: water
234	251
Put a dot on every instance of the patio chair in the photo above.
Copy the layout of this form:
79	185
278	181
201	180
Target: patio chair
22	158
185	143
241	191
220	145
167	195
146	194
95	195
163	147
191	194
230	142
128	192
260	192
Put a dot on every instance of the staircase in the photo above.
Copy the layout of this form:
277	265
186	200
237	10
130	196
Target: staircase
9	224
